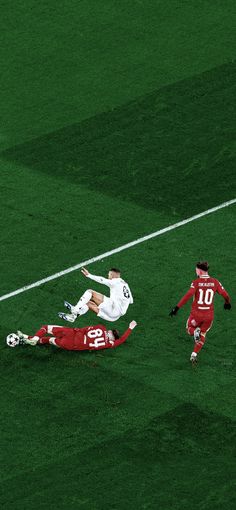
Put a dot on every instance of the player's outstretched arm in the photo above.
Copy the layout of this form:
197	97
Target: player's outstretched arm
98	279
128	332
182	302
227	306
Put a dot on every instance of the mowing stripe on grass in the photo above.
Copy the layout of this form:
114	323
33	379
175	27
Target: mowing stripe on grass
117	250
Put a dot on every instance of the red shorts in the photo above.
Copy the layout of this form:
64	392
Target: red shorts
199	321
64	338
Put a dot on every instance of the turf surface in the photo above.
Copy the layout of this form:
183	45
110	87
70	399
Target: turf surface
63	62
136	427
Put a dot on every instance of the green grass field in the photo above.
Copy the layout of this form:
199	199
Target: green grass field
117	120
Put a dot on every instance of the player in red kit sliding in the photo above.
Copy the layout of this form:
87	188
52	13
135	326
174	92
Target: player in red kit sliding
203	291
77	339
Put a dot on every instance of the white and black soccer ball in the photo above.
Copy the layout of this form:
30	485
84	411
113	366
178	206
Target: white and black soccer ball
12	340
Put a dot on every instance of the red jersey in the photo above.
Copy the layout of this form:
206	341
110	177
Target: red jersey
95	338
203	291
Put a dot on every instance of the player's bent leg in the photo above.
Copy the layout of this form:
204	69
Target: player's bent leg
39	337
84	304
32	340
199	344
79	309
205	327
191	325
93	307
97	297
85	298
46	340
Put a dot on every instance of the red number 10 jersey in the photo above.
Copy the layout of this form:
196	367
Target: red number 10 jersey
203	291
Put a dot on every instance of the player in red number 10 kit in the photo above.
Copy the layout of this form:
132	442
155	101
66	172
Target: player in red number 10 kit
77	339
203	291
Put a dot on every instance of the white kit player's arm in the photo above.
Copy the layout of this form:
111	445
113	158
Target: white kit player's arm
98	279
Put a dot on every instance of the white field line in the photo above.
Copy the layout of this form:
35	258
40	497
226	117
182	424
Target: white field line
117	250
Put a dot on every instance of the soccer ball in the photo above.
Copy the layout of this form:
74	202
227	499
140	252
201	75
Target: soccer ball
12	340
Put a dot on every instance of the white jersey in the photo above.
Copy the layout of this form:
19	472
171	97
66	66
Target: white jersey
120	292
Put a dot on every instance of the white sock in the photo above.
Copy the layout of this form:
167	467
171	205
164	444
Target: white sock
85	298
52	341
83	310
194	354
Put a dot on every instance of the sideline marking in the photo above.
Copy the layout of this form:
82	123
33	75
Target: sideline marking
117	250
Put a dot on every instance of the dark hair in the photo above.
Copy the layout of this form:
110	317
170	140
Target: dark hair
116	333
115	270
204	266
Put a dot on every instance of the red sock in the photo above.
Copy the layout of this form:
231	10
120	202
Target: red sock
41	331
44	340
199	345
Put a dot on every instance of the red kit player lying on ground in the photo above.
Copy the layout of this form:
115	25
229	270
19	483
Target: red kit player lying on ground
78	339
203	291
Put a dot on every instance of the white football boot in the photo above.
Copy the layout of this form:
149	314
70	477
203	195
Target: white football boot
69	307
21	335
193	358
31	341
70	317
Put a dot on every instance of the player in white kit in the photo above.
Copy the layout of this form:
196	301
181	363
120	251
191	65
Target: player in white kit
110	309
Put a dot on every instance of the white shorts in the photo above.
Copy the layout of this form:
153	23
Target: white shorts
109	310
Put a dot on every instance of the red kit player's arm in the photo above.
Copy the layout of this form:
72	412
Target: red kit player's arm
186	297
122	339
223	293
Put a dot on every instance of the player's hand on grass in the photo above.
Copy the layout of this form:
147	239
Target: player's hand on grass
84	271
227	306
174	311
132	324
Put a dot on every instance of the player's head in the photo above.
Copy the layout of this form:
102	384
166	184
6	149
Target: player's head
113	334
202	268
113	273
